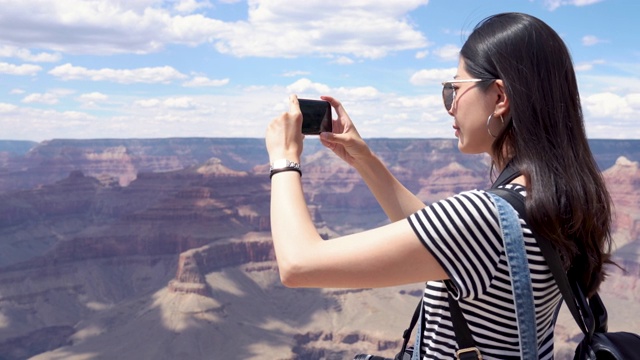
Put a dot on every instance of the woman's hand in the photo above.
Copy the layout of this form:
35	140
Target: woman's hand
344	140
284	134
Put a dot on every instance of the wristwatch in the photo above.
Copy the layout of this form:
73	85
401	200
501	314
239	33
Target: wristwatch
284	164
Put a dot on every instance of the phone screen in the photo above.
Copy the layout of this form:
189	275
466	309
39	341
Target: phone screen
316	116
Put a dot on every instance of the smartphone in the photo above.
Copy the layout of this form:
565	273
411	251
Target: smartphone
316	116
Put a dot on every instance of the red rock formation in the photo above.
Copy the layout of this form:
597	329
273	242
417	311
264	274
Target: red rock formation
197	210
195	263
623	181
122	159
189	278
450	180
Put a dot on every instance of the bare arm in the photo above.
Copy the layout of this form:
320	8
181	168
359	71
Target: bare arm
389	255
345	141
386	256
394	198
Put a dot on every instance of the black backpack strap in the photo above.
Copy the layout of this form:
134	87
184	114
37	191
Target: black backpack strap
506	176
466	345
407	333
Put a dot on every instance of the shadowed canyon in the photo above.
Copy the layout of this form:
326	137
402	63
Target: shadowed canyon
161	249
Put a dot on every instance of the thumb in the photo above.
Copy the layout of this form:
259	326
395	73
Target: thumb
331	137
294	106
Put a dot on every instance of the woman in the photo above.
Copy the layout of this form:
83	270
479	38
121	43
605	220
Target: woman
515	98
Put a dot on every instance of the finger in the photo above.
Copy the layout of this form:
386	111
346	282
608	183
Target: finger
332	138
337	105
327	144
294	106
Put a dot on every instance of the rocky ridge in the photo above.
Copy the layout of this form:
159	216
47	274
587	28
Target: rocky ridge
181	248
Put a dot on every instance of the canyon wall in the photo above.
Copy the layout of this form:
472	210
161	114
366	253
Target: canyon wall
161	249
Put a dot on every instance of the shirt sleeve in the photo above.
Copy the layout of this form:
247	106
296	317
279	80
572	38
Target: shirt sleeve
463	234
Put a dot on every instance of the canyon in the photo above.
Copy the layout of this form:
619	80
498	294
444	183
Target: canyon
161	249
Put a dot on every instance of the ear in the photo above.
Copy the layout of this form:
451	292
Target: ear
502	100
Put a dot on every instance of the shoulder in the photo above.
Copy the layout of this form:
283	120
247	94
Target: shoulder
468	211
476	201
463	233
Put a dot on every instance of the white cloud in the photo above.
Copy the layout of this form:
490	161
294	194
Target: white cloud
170	103
94	96
25	69
7	51
189	6
149	75
183	102
147	103
610	115
247	113
202	81
554	4
295	73
427	101
273	27
357	93
624	84
612	106
432	76
46	98
422	54
343	60
102	27
7	108
448	52
23	122
16	92
92	99
51	97
324	27
243	114
587	65
590	40
634	101
305	86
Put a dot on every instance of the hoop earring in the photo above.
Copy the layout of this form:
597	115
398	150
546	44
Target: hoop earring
489	124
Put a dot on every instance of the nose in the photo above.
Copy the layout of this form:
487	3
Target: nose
453	105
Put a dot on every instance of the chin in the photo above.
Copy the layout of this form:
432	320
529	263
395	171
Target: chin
469	150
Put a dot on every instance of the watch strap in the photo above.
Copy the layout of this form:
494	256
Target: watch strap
284	163
275	171
281	165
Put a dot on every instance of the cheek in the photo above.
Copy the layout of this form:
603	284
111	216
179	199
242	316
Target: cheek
474	135
472	121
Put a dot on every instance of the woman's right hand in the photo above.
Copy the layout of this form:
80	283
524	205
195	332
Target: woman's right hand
344	140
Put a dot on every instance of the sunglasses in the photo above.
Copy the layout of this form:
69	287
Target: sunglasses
449	92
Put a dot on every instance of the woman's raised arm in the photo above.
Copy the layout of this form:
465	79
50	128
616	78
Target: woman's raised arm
345	141
386	256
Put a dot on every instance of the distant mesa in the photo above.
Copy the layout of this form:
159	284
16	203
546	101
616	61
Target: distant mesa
161	248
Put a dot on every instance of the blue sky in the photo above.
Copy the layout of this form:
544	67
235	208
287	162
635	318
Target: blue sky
224	68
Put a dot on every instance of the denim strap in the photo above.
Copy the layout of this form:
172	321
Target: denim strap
418	343
520	277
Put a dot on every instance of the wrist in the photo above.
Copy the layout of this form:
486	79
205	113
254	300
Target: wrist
364	161
282	165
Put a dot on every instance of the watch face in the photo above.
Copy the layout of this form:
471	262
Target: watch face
281	163
284	163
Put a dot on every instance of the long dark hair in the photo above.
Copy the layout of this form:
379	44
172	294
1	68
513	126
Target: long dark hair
544	137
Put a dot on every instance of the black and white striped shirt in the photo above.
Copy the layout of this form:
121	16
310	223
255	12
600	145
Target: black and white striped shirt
463	234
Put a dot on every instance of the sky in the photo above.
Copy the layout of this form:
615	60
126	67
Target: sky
87	69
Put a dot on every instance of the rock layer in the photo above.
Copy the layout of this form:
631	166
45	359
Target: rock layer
103	241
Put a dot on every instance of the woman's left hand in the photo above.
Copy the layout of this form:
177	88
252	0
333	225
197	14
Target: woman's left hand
284	134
